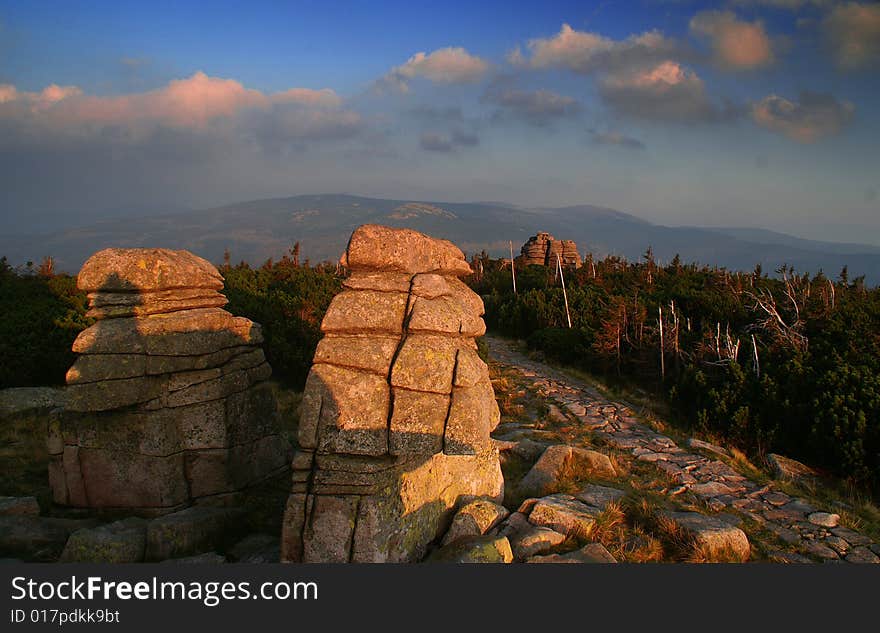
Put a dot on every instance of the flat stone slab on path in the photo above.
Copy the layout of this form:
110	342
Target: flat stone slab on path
590	553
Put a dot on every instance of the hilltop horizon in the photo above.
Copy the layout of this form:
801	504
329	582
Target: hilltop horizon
256	230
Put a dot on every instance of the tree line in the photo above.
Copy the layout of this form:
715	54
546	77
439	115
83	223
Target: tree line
786	362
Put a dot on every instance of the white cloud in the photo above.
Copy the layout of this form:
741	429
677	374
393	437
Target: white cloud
198	102
639	76
450	65
736	44
585	52
49	95
538	107
666	91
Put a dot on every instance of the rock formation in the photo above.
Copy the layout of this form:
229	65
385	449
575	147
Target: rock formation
542	249
167	401
397	408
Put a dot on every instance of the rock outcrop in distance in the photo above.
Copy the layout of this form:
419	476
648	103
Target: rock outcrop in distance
167	401
542	249
397	408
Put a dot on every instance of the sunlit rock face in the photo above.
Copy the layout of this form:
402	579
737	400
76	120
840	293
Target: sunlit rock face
167	401
397	408
542	249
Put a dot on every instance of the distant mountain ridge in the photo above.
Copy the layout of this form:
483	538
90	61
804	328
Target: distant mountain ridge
256	230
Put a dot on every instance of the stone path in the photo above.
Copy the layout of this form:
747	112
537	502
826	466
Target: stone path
812	531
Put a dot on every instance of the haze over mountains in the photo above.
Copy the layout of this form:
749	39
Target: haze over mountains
256	230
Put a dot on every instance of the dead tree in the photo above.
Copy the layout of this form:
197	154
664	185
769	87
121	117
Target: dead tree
786	326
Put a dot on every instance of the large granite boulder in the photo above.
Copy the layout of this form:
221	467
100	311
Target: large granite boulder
167	401
397	408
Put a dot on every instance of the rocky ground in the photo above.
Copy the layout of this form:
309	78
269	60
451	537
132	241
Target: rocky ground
588	479
33	529
592	481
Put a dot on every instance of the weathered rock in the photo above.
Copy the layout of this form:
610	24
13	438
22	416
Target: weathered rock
711	489
358	351
19	401
475	519
477	549
186	333
167	400
542	249
562	463
374	247
514	523
787	468
146	270
862	554
555	414
120	542
565	514
533	541
381	281
590	553
789	557
714	536
397	409
706	446
19	506
851	536
791	512
820	550
32	538
824	519
191	531
529	449
776	498
599	496
365	311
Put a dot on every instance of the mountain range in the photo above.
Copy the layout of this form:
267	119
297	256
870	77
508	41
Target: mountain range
256	230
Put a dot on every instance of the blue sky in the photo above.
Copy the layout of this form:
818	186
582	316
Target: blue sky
739	113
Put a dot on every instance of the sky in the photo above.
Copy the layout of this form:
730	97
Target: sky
758	113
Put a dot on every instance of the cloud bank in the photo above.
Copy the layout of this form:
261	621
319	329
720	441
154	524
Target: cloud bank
584	52
200	102
538	107
852	31
812	117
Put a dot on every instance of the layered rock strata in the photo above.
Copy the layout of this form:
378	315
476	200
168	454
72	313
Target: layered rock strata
397	408
167	401
542	249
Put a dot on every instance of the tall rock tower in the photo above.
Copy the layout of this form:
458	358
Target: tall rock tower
542	249
397	409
